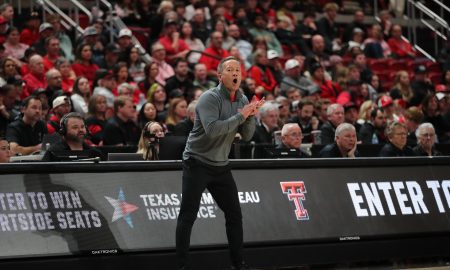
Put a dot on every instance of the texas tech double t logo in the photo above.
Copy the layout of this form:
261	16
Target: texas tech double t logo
295	191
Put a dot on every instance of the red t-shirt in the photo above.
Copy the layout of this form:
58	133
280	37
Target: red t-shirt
262	77
29	37
33	83
167	43
87	71
210	62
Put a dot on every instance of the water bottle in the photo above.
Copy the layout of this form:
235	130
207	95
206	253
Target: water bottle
375	139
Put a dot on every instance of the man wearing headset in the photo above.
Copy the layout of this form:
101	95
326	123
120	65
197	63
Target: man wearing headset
72	145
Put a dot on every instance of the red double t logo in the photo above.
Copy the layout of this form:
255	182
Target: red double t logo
295	191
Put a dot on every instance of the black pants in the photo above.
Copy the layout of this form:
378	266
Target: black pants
219	181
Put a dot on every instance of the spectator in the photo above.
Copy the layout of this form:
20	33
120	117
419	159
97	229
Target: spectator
175	46
125	43
293	95
60	107
421	85
5	152
306	30
120	73
335	116
158	20
396	133
387	104
293	43
120	129
294	78
176	113
267	125
73	135
25	134
321	110
157	95
8	69
283	107
147	113
330	90
351	115
365	110
83	65
36	78
426	138
165	70
136	66
400	47
200	25
244	47
201	78
344	145
305	119
68	75
358	22
180	81
402	87
385	23
81	94
3	29
260	71
184	127
194	43
326	26
106	84
151	72
220	25
372	131
359	60
413	117
259	29
7	12
96	119
148	144
8	97
432	115
54	84
291	139
64	41
111	56
13	47
30	33
214	53
45	31
375	45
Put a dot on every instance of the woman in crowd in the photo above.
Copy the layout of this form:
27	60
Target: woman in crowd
5	152
83	65
8	69
397	134
157	95
260	71
120	72
402	87
67	74
432	115
146	114
81	94
426	138
176	113
151	71
148	144
96	121
13	46
194	43
330	90
136	66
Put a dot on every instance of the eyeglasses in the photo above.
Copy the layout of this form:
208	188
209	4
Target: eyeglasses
295	135
428	135
401	134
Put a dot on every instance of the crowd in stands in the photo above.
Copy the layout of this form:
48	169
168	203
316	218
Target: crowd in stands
314	74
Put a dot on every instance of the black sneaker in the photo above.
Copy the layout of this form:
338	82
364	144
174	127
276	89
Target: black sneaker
242	266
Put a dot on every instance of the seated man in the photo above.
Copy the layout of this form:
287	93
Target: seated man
72	146
291	140
25	134
397	134
344	145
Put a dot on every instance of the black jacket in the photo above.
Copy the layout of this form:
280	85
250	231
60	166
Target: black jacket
389	150
61	151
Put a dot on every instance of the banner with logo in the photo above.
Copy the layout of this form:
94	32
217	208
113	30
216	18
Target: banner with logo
104	212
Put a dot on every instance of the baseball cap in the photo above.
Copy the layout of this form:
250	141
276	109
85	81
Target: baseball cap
441	88
90	31
420	69
103	74
112	47
169	21
385	101
45	26
314	66
125	33
291	63
314	88
61	100
272	54
349	105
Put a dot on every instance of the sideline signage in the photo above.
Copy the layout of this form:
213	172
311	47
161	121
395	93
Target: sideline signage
111	212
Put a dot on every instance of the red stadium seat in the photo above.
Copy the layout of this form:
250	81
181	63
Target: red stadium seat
141	34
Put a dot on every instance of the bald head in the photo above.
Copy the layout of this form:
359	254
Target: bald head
36	64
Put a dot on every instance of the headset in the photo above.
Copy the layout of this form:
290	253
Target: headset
65	119
146	133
